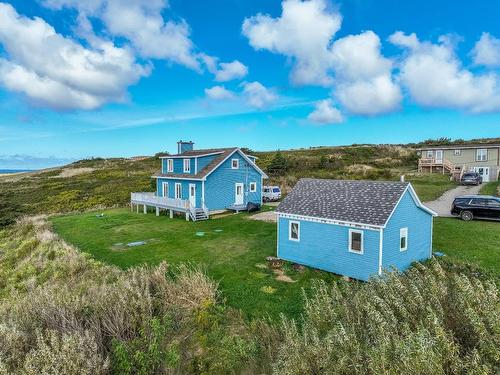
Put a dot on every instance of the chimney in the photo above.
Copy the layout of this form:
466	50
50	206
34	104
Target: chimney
183	146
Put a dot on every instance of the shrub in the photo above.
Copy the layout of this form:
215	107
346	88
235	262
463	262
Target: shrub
428	321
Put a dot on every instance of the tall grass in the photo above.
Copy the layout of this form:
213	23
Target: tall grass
428	321
62	313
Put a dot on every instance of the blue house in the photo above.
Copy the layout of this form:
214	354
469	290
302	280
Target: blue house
200	182
354	228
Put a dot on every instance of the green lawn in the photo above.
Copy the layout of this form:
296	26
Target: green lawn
430	186
491	188
233	256
475	242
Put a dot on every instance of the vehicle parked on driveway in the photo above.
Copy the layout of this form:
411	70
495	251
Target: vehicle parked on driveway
271	193
471	178
469	207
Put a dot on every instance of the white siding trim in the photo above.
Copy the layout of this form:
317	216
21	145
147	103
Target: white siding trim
178	178
380	251
329	221
278	237
430	247
195	165
290	222
351	231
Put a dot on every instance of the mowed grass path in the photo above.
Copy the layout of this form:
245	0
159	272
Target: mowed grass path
231	257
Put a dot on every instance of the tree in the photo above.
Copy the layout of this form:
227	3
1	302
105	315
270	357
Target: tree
278	165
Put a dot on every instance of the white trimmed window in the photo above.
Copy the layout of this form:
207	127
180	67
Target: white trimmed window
294	231
170	165
457	152
481	154
235	163
429	154
403	239
187	165
356	241
253	187
178	190
164	186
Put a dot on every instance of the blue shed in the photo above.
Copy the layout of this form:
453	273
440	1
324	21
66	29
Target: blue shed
354	228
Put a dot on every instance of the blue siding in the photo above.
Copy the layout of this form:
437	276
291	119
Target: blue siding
178	165
220	184
325	246
407	215
185	188
205	160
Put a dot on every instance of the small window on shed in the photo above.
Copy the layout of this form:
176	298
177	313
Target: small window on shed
253	187
356	241
235	163
403	239
294	231
457	152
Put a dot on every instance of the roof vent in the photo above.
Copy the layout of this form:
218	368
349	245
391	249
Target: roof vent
183	146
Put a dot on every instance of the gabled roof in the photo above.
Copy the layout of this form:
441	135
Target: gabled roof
222	155
356	202
198	153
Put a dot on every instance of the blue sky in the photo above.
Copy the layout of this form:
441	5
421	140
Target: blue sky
123	78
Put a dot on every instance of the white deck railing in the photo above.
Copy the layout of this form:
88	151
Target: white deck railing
153	200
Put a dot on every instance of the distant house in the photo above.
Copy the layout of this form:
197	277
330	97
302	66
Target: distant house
199	182
354	228
457	159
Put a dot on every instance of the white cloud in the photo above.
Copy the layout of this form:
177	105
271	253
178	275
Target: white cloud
303	32
142	23
326	113
219	93
353	66
435	77
224	71
257	95
487	51
230	71
363	77
58	72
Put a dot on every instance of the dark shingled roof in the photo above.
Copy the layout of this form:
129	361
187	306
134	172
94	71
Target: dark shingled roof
363	202
224	153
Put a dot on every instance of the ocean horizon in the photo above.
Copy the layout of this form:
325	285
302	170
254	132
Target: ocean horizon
10	171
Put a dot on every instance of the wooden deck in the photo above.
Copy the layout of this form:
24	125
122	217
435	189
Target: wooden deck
441	166
148	199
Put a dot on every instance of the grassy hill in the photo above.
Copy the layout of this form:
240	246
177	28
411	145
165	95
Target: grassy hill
106	183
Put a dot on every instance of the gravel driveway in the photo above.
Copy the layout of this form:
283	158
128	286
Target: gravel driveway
442	205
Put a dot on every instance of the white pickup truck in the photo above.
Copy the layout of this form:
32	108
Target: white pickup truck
271	193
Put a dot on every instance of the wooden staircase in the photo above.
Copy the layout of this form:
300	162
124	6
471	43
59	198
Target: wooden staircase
443	166
199	214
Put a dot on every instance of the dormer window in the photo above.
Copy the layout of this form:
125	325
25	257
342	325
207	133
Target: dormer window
170	165
187	165
235	163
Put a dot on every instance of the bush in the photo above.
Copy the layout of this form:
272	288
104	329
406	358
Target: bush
428	321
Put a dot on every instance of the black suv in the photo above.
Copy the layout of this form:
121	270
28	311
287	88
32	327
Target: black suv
469	207
471	178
